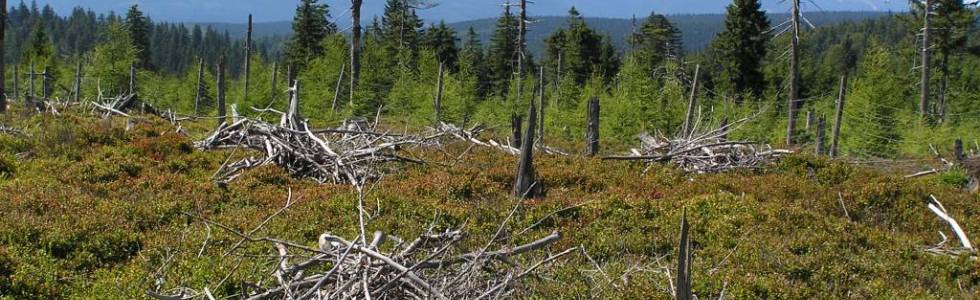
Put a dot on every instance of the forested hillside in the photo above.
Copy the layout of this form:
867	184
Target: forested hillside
751	156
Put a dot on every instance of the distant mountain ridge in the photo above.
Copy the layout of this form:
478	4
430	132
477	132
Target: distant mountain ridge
697	30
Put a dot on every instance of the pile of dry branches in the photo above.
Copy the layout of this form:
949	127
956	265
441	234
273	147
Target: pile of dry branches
472	136
703	151
329	155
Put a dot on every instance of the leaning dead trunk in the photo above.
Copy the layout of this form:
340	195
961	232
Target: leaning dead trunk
526	185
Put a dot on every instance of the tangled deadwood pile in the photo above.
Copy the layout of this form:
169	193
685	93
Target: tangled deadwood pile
472	136
344	155
703	152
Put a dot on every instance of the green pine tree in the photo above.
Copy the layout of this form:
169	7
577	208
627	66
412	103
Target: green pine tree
310	27
400	29
442	40
741	47
655	42
139	28
502	55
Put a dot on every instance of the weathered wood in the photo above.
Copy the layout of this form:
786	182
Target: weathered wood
926	60
246	69
592	132
3	67
724	125
275	90
438	100
526	184
811	117
521	45
821	135
293	119
515	128
16	82
692	102
132	79
792	103
541	103
77	89
682	289
839	111
336	90
222	115
355	48
958	154
31	93
44	84
199	93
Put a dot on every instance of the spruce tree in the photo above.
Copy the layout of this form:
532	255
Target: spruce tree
578	48
472	63
310	27
502	55
442	40
740	48
656	41
139	28
400	27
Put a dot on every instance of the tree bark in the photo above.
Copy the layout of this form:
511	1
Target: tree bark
246	69
941	109
692	103
526	185
515	128
541	103
77	89
592	133
840	115
355	48
438	100
199	94
521	42
794	74
275	79
821	134
926	70
221	90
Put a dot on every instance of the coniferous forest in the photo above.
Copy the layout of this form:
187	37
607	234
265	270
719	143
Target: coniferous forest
400	158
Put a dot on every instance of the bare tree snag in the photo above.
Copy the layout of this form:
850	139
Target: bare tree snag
275	79
821	135
926	69
810	118
246	69
292	119
132	79
515	128
839	111
794	74
16	83
526	185
336	91
541	103
724	127
692	102
958	154
31	93
355	48
3	67
521	44
438	100
77	89
592	134
682	290
221	91
45	85
199	94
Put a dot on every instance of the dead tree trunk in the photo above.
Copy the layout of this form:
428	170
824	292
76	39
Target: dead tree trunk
958	154
336	91
132	79
355	48
521	42
943	85
839	111
526	185
44	85
221	91
724	125
3	67
31	93
541	103
592	132
821	134
438	100
692	103
794	74
810	118
515	128
293	111
246	69
683	286
16	82
199	94
926	71
275	78
77	89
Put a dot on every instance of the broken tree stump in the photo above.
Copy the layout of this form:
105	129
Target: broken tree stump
840	115
683	286
526	184
222	115
438	100
692	102
958	155
515	128
821	134
592	132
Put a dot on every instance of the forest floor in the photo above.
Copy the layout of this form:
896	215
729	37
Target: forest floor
93	208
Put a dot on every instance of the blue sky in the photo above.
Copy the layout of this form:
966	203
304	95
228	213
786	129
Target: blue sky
450	10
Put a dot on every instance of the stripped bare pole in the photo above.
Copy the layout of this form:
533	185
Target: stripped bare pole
199	94
926	60
682	290
31	93
541	103
521	45
839	111
16	80
592	133
77	89
275	78
821	135
438	100
355	47
45	85
246	69
692	102
222	116
515	129
336	90
792	104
